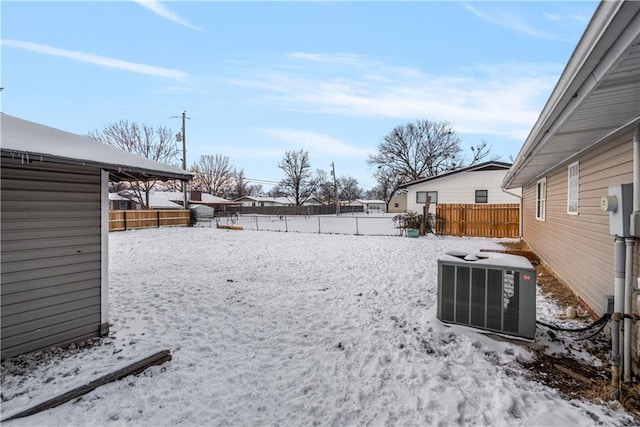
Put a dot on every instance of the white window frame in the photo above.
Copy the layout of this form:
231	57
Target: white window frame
541	199
573	188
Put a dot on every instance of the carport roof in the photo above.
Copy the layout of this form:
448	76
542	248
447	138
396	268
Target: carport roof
31	141
596	97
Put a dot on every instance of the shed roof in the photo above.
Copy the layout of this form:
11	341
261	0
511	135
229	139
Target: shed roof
486	166
31	141
596	96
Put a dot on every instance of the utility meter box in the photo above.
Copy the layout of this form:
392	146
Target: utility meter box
619	204
491	291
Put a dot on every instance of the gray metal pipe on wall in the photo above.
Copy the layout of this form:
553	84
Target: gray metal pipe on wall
635	230
618	307
628	294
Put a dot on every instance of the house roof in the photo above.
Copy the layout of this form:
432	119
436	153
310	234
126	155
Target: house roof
159	200
117	197
595	98
486	166
35	142
279	200
205	198
370	201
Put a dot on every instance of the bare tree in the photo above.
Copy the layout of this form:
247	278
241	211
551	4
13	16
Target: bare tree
277	191
480	152
213	174
348	189
389	183
240	187
326	193
156	143
299	182
421	149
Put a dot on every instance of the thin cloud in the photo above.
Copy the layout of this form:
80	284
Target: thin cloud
510	21
162	11
312	141
491	99
104	61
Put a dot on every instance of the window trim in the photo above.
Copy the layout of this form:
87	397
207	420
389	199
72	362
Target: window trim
541	199
573	188
485	196
434	200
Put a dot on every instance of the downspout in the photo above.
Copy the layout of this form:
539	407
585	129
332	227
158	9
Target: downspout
521	214
635	231
628	294
104	253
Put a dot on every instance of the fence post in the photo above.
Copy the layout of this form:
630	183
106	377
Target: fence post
318	225
357	226
286	226
125	220
158	217
257	227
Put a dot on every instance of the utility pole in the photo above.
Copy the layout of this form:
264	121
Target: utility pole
335	188
183	137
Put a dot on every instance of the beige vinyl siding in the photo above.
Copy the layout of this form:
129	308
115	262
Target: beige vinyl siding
51	255
579	248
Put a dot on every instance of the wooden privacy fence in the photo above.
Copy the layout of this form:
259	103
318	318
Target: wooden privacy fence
478	220
127	220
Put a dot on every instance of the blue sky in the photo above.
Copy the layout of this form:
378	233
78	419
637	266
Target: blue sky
259	78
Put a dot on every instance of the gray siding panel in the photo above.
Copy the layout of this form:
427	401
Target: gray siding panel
45	322
78	330
579	248
51	255
41	285
49	307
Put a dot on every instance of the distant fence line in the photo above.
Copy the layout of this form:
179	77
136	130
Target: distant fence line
127	220
362	224
291	210
478	220
472	220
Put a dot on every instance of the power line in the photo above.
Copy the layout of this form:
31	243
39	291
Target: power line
262	181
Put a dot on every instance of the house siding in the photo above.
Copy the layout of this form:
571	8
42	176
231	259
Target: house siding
461	188
401	200
579	248
51	255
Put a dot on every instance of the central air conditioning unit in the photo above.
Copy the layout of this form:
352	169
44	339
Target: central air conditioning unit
491	291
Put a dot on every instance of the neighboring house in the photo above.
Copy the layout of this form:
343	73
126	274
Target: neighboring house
207	205
274	201
54	242
121	203
473	184
263	201
369	205
398	203
583	143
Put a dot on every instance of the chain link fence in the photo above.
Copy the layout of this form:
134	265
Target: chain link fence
378	224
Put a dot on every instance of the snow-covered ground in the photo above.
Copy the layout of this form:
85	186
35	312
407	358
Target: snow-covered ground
292	329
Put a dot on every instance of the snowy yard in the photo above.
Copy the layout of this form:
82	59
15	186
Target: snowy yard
292	329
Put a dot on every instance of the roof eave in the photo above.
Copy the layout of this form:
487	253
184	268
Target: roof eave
116	172
574	85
